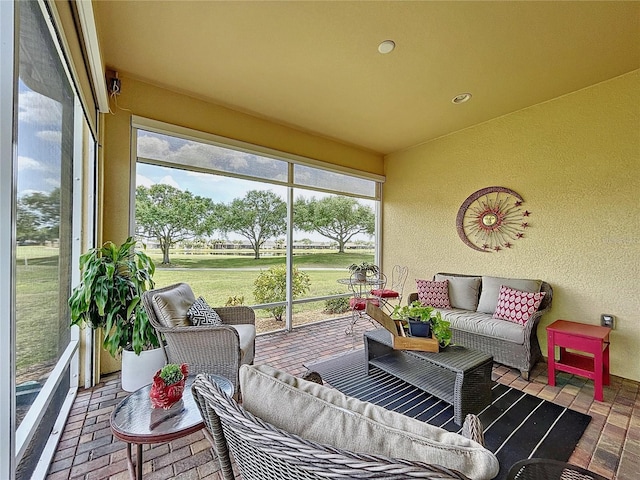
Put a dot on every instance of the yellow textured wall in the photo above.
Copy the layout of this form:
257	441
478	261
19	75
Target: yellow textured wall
145	100
576	162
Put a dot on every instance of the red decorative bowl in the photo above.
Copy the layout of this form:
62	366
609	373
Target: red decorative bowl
163	396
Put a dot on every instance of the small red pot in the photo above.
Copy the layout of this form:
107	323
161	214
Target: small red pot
163	396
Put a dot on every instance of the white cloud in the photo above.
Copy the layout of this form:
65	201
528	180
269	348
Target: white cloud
30	191
53	136
196	153
168	180
28	163
205	176
202	154
38	109
153	147
54	182
142	181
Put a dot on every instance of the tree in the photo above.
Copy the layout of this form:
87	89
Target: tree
271	286
26	224
259	216
336	218
38	216
170	215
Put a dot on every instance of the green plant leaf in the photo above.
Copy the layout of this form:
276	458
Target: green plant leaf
109	296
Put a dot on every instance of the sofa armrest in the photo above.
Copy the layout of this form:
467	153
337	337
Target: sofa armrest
532	324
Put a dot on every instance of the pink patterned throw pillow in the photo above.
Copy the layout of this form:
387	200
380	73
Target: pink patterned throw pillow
517	306
435	294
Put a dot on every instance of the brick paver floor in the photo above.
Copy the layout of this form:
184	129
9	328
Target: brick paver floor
87	450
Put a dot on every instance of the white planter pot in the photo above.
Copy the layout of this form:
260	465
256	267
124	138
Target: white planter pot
138	370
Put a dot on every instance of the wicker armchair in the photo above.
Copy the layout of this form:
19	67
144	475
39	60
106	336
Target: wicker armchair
207	349
263	452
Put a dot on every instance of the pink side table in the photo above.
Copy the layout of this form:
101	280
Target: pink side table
590	339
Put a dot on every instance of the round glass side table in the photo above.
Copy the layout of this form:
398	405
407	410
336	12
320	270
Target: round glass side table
135	421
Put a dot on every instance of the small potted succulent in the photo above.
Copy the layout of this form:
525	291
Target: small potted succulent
360	270
168	385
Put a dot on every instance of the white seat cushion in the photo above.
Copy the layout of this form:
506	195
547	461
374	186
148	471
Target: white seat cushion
484	324
247	334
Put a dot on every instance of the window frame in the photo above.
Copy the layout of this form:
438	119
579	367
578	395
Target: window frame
8	37
15	440
155	126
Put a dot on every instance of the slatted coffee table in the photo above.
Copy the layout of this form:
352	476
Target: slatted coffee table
458	375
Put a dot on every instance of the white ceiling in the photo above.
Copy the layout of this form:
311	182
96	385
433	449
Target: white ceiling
314	65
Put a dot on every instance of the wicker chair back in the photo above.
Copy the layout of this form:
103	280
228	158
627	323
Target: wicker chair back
206	348
263	452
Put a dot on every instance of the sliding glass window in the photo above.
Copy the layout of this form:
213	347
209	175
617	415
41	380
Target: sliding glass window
224	217
53	145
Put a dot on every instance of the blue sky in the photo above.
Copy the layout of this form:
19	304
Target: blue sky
39	139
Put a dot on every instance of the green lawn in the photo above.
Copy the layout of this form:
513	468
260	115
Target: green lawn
215	277
216	286
234	276
37	317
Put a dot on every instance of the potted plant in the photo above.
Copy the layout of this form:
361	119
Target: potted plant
359	270
168	385
423	321
108	299
441	329
417	316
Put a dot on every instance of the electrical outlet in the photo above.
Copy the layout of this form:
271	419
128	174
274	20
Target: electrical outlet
606	320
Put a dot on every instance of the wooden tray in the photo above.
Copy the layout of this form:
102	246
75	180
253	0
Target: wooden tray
400	340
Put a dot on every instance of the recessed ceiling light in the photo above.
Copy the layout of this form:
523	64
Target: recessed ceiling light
387	46
461	98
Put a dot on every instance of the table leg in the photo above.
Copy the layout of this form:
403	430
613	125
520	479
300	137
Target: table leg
374	349
139	461
598	372
130	467
551	359
352	323
606	365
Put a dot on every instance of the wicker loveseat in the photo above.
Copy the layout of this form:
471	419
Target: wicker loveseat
289	428
473	301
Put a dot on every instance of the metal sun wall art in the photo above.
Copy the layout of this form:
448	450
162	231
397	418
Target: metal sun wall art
491	219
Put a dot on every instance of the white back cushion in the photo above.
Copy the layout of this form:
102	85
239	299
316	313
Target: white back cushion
325	415
491	290
171	305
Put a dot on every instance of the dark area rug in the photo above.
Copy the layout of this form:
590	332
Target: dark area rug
517	425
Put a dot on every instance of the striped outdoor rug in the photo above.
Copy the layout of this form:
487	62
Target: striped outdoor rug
517	425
